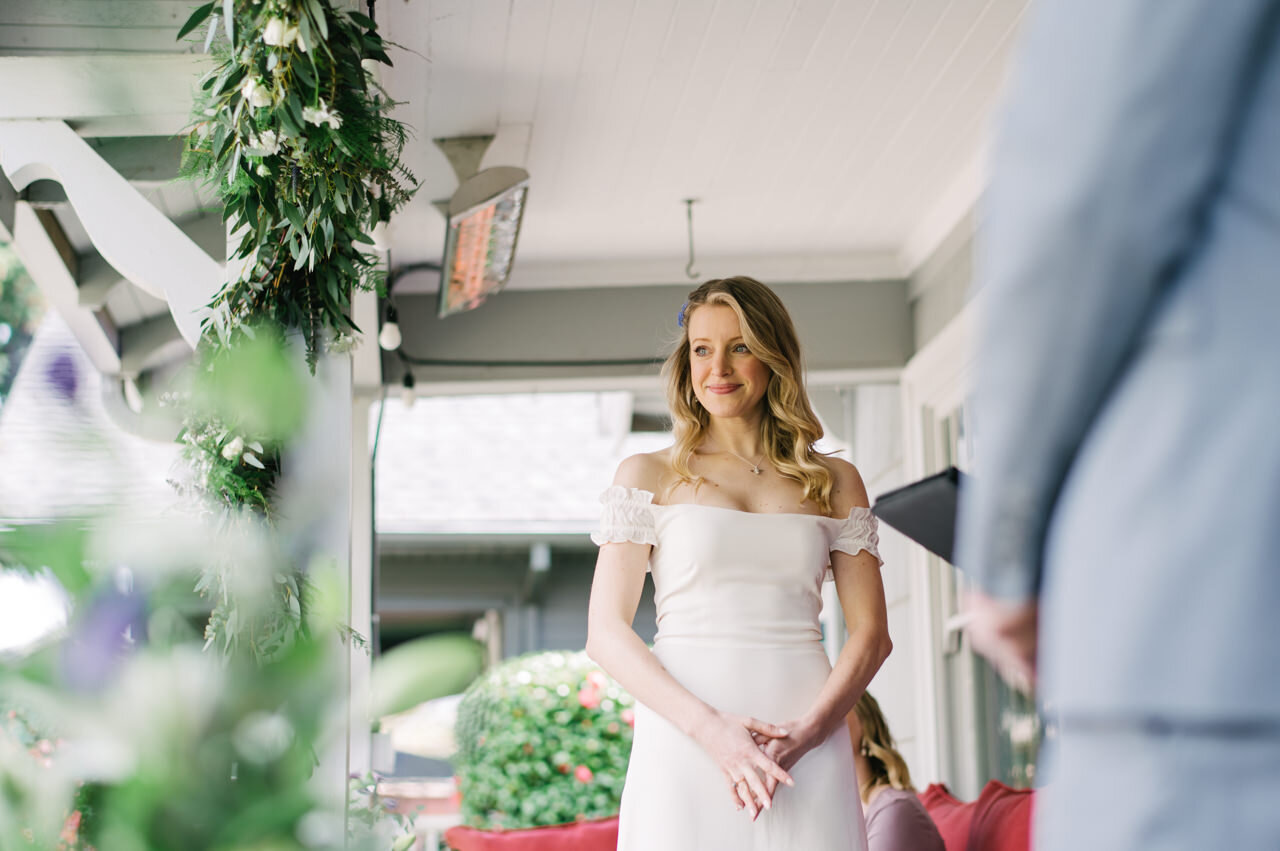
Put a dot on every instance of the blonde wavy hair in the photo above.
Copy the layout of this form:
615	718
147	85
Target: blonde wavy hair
886	764
789	427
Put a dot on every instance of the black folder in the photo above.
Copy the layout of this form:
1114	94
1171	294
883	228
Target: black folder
924	511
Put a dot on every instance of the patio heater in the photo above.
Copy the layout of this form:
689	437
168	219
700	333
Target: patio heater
482	224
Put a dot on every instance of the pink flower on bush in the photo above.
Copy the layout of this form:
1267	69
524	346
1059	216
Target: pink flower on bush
71	827
589	698
629	717
583	774
598	679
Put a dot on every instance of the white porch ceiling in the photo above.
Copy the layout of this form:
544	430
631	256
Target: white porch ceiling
825	139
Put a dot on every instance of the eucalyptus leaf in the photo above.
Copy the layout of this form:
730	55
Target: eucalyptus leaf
318	15
304	34
197	17
229	17
213	31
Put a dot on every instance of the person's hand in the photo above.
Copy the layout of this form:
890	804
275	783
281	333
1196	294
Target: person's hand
803	735
1005	633
729	739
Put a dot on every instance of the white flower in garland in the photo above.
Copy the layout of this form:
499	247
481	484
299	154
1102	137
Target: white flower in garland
267	144
273	32
278	33
232	450
255	93
321	115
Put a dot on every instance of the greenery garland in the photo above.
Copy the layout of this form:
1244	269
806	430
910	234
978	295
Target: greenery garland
292	131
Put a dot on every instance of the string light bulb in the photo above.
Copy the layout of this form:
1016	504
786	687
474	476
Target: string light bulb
407	394
389	338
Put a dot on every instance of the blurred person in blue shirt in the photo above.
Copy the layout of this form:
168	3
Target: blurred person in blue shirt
1123	526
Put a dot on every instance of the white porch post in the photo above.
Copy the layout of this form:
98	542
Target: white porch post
315	501
366	386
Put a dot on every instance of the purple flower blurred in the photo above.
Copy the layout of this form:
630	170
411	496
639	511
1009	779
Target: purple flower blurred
102	637
63	377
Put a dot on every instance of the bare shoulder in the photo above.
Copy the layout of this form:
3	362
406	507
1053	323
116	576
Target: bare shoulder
847	489
644	470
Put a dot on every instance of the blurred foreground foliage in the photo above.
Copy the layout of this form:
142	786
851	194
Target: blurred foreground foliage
120	733
21	308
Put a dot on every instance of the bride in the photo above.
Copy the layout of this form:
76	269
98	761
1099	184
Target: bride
740	739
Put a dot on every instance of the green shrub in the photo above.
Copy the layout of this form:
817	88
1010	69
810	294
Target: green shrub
542	739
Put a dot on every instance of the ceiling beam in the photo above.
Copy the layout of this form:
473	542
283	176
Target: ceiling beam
150	343
94	13
139	241
39	243
102	94
141	158
99	279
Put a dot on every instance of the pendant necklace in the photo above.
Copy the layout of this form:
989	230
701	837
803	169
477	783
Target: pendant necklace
755	467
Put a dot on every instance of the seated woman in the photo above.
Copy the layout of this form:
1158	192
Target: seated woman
896	820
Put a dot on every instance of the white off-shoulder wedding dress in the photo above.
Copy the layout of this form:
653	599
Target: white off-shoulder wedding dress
737	596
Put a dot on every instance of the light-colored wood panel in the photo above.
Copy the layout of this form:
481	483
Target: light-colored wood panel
952	89
959	128
676	64
856	86
691	120
96	13
725	149
807	21
570	23
879	158
801	125
78	38
593	103
911	40
116	14
527	35
651	22
462	85
490	28
805	122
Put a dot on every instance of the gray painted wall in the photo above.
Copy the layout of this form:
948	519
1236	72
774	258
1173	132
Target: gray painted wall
849	325
546	613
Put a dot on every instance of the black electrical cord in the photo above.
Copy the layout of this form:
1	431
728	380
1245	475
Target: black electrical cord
417	361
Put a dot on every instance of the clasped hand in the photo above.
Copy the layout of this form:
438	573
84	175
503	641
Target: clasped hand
740	746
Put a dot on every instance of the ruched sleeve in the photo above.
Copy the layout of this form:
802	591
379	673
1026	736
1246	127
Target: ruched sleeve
859	532
627	515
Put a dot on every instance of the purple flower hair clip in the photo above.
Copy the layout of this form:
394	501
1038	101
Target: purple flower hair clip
680	315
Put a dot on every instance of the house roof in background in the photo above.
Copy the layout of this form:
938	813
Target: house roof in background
502	464
60	452
516	464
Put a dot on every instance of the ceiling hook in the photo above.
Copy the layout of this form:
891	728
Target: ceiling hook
688	268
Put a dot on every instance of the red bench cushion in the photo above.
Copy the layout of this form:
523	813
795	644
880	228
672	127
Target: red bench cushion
952	816
1002	820
583	836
